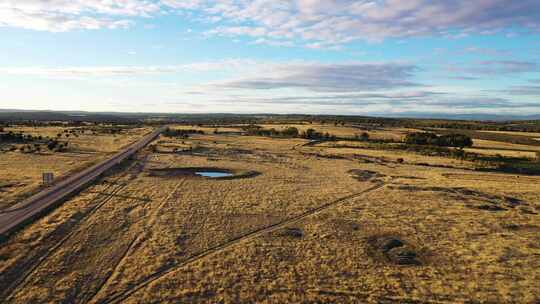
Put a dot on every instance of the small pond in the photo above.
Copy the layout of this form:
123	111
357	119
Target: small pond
213	174
206	172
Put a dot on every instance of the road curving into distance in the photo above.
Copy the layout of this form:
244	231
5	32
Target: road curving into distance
12	218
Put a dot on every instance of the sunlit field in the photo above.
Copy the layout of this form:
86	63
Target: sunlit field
332	222
22	170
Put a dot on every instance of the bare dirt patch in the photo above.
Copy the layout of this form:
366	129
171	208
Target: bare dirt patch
366	175
472	198
290	232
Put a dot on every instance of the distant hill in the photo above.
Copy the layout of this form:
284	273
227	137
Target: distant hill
45	115
21	115
475	117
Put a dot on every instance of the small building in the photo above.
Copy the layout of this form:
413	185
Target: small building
48	178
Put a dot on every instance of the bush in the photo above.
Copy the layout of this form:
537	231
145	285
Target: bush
51	145
312	134
290	132
364	136
420	138
455	140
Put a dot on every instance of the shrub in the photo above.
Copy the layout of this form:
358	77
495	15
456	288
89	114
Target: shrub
290	132
312	134
364	136
51	145
421	138
455	140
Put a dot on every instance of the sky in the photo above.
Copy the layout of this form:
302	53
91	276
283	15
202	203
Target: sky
271	56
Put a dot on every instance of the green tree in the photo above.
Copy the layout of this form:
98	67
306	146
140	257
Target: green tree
290	132
364	136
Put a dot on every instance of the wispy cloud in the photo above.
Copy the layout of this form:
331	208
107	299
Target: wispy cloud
329	77
486	51
112	71
307	86
66	15
524	90
475	70
369	102
505	67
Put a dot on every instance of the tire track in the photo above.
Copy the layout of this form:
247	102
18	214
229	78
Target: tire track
135	245
21	282
239	239
136	241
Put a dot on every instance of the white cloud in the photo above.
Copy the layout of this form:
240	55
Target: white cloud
315	23
308	87
66	15
335	22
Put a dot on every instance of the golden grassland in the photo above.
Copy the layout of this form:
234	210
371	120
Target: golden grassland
530	134
346	131
205	129
490	147
490	144
503	152
21	173
362	152
302	230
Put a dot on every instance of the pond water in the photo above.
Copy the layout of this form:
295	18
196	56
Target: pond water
213	174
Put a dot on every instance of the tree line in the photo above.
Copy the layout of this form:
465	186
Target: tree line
290	132
31	143
432	139
182	133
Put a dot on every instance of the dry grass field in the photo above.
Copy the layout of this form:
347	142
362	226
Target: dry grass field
22	172
530	134
334	222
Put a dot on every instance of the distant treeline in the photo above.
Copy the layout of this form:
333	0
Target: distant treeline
290	132
17	137
30	143
513	126
61	118
432	139
181	133
81	118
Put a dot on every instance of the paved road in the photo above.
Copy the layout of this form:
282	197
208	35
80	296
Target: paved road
11	218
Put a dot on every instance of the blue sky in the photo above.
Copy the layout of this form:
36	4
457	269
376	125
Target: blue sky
301	56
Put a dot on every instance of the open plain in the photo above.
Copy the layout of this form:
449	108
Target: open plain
295	221
21	172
